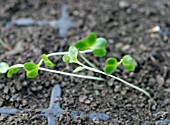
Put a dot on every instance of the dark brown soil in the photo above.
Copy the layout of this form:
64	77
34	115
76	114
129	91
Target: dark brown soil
126	29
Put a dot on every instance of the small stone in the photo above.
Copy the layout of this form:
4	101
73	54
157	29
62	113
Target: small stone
82	98
1	86
33	89
24	83
160	80
40	88
2	117
110	82
123	4
125	47
97	92
18	86
6	89
116	89
24	102
87	102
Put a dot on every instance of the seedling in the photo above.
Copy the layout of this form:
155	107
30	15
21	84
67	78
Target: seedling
90	44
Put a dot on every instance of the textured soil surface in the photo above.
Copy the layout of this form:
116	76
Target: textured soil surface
125	25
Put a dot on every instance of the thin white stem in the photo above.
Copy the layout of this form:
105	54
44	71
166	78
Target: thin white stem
71	74
62	53
87	61
62	73
17	66
117	78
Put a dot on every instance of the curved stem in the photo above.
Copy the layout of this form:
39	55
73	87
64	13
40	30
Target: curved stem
61	53
117	78
87	61
62	73
71	74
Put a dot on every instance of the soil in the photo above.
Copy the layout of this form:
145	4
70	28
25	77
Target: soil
125	25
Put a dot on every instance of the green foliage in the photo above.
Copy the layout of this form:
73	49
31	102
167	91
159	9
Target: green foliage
71	57
92	42
31	69
99	48
66	58
111	65
3	67
91	39
12	71
87	42
46	60
129	63
81	45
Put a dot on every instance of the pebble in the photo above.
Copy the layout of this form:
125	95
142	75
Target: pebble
97	92
110	82
123	4
160	80
6	89
82	98
87	102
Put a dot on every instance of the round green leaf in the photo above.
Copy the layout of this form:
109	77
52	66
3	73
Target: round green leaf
12	71
99	52
29	66
111	65
46	60
73	53
81	45
99	48
3	67
31	69
66	58
129	67
32	73
109	69
91	39
111	61
127	59
86	43
129	63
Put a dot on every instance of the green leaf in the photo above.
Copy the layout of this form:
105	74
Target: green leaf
91	39
99	48
111	65
99	52
86	43
129	63
47	61
12	71
78	69
109	69
73	53
32	73
3	67
66	58
111	61
81	45
71	57
29	66
31	69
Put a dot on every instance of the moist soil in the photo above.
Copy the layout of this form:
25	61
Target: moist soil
125	25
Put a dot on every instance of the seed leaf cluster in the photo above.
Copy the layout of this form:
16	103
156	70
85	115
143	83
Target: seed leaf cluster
89	44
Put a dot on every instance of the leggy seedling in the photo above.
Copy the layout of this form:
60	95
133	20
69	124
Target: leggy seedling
89	44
